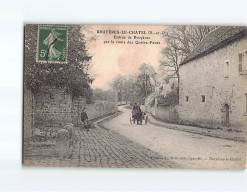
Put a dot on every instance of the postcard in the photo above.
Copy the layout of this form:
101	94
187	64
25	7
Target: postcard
135	96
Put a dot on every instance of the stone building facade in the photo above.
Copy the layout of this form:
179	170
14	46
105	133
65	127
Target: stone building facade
213	81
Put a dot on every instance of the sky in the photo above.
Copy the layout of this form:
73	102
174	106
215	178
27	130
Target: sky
110	59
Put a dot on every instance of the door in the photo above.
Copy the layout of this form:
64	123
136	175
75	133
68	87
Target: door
227	117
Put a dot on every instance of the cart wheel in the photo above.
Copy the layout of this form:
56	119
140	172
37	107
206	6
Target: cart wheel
146	120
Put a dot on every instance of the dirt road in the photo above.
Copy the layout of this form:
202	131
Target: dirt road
187	150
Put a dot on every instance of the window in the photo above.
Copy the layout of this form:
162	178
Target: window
203	98
227	69
186	98
240	62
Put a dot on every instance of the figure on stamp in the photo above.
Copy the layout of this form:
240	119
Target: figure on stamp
53	53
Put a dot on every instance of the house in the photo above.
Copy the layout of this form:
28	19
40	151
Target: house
213	87
150	102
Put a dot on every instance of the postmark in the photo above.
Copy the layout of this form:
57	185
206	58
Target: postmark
52	44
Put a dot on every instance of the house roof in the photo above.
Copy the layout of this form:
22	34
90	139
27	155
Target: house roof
214	40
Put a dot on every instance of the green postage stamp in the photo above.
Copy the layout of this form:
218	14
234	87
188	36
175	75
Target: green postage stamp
52	44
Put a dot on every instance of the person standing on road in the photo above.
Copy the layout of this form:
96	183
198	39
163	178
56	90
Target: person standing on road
142	107
84	118
135	107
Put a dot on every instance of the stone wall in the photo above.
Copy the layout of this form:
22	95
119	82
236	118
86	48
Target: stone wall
167	113
150	109
206	76
100	109
53	107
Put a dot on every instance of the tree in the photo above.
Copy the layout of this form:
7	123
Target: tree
119	82
180	41
123	85
104	95
146	79
137	86
71	76
169	99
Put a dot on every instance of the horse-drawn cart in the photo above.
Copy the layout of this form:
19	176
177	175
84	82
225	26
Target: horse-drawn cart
138	118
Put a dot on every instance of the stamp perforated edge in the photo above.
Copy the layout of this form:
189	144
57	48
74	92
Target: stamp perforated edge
37	47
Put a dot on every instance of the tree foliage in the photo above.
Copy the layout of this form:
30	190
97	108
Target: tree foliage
71	76
146	79
169	99
104	95
135	87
